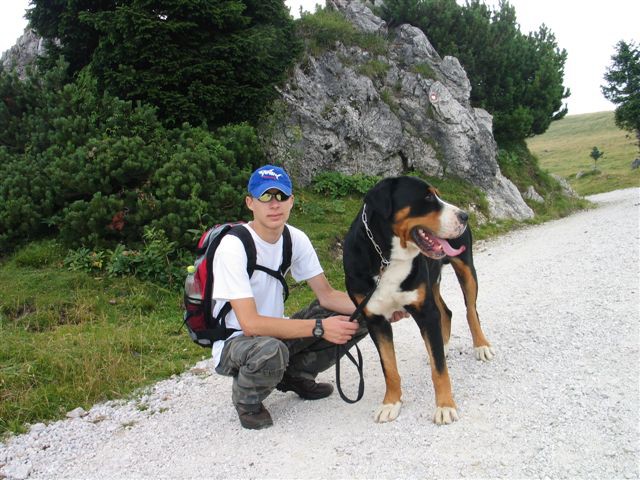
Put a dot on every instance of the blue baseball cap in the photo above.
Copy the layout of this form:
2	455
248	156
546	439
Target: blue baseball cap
268	177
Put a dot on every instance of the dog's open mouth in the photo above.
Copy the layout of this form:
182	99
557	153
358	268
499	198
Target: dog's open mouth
432	246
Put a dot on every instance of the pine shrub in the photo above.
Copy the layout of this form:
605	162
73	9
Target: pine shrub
97	170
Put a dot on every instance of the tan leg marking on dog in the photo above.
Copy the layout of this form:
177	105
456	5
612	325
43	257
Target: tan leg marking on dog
483	349
391	404
445	412
445	319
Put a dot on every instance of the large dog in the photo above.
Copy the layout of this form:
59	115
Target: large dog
395	248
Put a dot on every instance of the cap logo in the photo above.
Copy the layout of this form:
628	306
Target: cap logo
269	173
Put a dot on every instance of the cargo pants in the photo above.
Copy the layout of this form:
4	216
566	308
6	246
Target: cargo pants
257	364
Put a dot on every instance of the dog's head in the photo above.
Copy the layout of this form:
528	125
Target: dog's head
417	215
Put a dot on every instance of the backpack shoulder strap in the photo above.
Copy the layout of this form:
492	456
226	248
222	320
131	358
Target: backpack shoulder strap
284	266
249	246
287	251
208	246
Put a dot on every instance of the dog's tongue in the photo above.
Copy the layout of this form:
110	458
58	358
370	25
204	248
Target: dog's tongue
449	250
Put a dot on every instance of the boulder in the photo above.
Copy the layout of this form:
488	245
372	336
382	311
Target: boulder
566	188
413	115
531	194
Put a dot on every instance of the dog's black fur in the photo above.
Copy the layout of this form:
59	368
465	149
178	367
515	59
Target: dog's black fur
408	222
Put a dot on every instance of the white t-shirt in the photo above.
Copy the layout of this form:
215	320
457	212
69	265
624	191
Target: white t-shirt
231	280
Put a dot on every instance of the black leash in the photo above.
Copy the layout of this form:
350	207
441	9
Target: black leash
359	363
384	263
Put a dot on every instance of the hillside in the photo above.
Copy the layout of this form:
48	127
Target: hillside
564	150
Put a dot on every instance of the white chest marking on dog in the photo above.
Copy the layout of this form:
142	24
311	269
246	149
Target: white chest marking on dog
388	297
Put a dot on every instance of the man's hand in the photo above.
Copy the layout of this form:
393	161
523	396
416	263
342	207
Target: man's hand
338	329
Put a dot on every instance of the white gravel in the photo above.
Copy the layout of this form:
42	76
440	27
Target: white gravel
560	400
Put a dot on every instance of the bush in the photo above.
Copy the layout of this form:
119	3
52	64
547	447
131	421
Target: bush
27	199
336	184
158	260
194	183
98	170
199	185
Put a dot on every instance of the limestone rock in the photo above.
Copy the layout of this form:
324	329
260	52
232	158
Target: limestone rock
505	200
566	188
24	53
412	115
531	194
77	413
360	16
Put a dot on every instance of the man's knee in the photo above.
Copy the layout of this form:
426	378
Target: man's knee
269	356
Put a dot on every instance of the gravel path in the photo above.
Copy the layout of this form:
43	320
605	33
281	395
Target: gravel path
561	399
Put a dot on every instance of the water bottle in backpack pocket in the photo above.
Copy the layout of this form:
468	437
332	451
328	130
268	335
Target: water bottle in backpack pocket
194	315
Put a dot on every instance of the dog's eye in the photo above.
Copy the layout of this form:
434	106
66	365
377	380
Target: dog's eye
430	196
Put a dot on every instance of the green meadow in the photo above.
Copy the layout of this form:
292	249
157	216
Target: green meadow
565	150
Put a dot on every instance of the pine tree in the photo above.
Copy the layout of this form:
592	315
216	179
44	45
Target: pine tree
623	86
595	154
212	61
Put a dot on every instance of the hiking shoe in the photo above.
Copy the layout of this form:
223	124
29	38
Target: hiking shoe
305	388
253	416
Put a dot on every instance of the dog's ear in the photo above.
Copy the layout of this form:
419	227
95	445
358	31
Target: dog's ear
379	200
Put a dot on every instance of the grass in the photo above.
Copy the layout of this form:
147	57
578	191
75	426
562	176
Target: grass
73	339
565	148
374	69
69	339
321	30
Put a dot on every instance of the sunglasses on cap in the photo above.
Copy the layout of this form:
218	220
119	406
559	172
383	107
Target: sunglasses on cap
267	196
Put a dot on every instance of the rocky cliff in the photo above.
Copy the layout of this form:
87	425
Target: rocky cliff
23	53
413	114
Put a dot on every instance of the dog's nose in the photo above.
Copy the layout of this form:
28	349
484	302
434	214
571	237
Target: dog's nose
463	216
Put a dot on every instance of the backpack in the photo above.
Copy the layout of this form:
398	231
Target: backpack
204	329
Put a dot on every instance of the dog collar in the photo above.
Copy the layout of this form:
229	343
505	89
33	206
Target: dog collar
384	263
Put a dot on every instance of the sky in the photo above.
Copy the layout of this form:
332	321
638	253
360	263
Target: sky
587	29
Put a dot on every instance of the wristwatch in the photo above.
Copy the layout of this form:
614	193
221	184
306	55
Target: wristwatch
318	330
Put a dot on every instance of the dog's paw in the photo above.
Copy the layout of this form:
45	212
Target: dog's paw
484	353
387	412
445	415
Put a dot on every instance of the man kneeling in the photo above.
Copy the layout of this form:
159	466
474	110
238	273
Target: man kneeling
269	351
